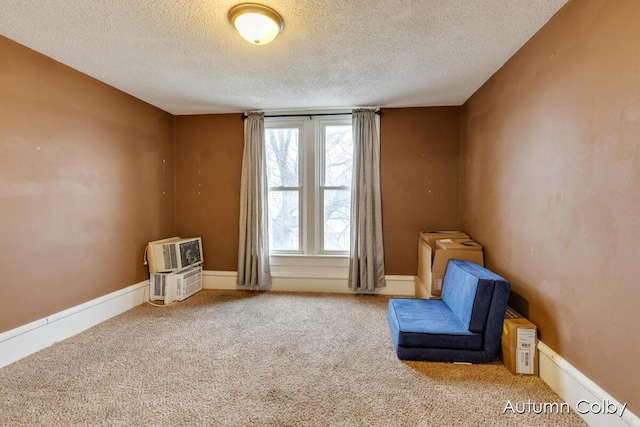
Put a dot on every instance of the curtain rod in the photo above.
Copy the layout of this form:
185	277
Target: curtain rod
244	116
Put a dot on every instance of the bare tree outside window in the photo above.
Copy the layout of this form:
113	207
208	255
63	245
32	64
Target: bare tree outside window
283	170
336	193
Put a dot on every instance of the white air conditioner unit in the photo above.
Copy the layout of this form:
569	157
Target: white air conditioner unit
174	254
188	282
175	286
158	286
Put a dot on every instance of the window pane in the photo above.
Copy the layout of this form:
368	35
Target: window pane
282	147
338	157
284	221
337	208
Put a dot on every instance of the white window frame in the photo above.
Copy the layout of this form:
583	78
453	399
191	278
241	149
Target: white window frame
320	186
310	168
301	188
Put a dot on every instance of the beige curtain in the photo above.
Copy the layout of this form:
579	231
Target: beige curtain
366	264
254	272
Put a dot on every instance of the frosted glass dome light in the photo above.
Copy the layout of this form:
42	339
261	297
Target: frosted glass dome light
256	23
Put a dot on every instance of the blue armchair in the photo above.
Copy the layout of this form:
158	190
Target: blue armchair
464	326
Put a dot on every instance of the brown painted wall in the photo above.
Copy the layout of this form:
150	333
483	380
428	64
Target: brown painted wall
550	186
86	179
208	170
420	159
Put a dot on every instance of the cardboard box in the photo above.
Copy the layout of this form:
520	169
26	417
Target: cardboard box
431	237
432	263
519	345
424	269
458	245
441	259
421	289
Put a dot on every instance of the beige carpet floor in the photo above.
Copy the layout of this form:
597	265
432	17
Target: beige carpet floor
232	358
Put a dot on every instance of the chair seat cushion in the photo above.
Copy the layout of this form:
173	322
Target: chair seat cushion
429	323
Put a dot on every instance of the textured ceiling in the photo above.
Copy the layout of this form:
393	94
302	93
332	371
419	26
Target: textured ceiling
185	57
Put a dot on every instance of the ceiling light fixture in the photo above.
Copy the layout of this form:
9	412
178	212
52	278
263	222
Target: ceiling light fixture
256	23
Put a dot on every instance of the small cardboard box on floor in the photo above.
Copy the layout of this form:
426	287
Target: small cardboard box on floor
519	344
433	257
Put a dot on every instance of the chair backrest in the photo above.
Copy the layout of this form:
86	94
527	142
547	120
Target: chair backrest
468	289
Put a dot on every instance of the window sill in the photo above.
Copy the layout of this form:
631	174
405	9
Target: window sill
308	259
309	266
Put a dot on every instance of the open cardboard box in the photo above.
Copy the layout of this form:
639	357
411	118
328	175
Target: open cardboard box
431	237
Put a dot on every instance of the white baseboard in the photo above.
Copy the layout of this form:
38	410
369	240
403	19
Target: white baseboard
396	285
574	387
218	279
35	336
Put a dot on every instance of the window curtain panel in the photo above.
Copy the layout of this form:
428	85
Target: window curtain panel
366	263
254	272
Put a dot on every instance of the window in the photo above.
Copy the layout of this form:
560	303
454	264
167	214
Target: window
285	187
309	163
